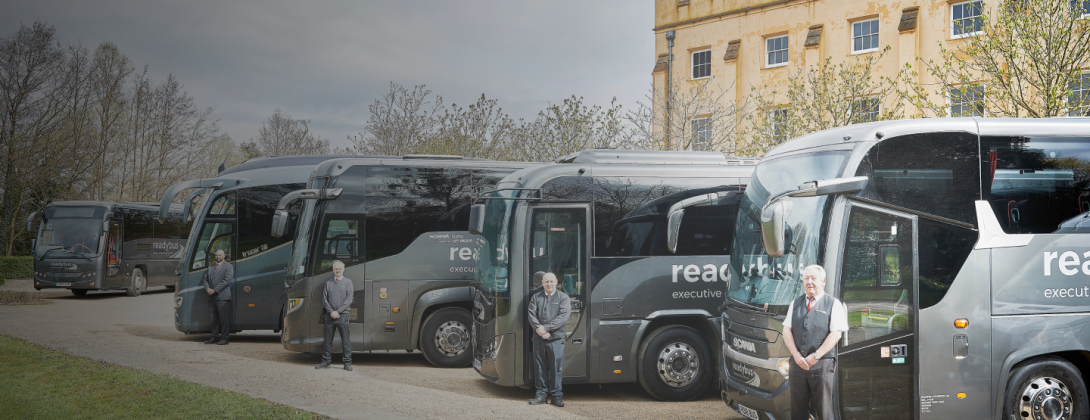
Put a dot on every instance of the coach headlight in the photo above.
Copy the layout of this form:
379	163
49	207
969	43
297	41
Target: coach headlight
784	367
294	304
88	274
39	275
178	301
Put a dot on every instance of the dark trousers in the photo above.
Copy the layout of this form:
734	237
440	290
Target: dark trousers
549	361
341	325
814	390
221	317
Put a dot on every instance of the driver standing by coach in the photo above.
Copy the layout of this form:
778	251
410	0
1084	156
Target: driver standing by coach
548	312
814	323
217	282
337	300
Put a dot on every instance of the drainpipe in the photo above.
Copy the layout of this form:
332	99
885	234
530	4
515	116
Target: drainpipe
669	81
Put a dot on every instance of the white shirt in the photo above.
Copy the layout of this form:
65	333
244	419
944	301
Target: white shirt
838	319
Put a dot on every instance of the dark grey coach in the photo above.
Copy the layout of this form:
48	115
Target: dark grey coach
959	247
643	295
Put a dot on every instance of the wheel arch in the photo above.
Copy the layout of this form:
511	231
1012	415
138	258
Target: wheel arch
435	300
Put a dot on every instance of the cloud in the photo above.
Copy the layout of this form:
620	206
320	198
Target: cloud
327	61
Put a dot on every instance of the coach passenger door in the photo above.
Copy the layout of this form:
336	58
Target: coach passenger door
878	354
559	243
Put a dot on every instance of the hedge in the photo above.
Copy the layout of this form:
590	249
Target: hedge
16	268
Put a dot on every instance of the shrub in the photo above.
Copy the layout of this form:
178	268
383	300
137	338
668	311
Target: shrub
16	268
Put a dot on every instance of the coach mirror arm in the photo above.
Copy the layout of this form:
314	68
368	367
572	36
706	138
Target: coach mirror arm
30	220
677	211
775	212
281	217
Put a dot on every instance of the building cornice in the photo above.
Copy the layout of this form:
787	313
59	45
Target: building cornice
727	13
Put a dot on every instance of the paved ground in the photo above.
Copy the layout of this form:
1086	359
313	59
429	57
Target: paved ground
139	333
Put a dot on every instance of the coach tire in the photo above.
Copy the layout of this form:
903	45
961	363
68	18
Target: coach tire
445	339
1045	388
137	283
79	292
675	364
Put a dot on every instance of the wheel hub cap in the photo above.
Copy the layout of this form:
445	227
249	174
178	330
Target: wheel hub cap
678	364
452	338
1046	399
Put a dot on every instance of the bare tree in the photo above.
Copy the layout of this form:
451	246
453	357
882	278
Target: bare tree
479	130
1023	62
282	135
818	98
400	123
567	128
687	116
34	87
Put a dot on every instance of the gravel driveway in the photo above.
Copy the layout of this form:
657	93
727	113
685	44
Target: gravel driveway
139	333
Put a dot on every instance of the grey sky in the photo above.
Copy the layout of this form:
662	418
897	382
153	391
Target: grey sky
327	61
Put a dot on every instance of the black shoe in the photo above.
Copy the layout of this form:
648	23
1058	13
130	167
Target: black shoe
558	401
322	365
348	367
213	340
223	342
537	401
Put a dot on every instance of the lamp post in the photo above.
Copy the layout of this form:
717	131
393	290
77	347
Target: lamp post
667	94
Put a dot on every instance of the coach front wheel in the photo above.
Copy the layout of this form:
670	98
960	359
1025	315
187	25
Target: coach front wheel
79	292
675	364
137	283
444	339
1049	388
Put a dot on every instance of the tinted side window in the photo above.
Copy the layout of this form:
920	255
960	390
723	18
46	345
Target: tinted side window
934	173
255	211
174	228
341	238
223	205
404	202
943	250
1035	184
138	224
630	217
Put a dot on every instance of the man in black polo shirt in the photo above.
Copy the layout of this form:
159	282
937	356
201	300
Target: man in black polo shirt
814	323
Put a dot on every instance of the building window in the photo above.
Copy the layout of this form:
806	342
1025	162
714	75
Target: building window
777	51
1080	96
702	133
965	19
702	64
865	36
865	109
967	101
777	123
1081	8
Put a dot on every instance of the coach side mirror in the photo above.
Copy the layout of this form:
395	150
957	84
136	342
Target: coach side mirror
30	221
831	187
106	226
476	219
280	223
773	226
677	212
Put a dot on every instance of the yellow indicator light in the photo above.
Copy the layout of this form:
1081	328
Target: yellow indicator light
389	323
961	395
250	305
617	371
397	309
961	323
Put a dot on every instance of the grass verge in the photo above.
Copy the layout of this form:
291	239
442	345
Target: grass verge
37	382
11	297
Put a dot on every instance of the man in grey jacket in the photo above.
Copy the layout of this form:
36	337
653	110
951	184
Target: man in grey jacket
337	300
549	310
217	282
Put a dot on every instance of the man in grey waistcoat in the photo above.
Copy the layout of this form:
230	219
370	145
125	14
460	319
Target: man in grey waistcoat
548	311
217	282
815	321
337	299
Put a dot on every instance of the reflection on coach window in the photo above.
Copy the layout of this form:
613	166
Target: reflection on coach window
1034	184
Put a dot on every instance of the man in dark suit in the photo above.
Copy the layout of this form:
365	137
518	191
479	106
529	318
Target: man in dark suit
549	310
217	282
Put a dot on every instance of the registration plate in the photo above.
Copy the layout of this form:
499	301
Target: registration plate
748	412
63	284
477	364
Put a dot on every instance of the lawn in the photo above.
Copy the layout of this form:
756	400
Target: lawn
36	382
